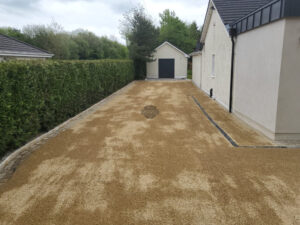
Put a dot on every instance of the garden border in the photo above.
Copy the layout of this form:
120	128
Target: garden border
10	162
230	140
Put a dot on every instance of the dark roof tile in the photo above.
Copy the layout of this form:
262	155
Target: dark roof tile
232	10
9	44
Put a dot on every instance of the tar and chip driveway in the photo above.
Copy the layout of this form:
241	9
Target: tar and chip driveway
117	167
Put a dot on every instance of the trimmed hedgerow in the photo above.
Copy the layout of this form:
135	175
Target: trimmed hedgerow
35	96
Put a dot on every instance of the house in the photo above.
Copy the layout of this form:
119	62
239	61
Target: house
11	48
249	61
169	62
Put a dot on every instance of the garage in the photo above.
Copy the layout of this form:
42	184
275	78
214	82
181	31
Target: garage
169	62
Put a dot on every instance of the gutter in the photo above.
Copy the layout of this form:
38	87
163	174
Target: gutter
25	54
195	53
232	33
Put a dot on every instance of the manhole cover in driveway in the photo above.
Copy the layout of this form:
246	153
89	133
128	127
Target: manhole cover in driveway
150	111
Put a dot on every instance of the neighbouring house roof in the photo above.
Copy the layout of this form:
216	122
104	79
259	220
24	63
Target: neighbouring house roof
168	43
12	47
232	10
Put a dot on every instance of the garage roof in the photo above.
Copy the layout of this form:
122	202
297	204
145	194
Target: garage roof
168	43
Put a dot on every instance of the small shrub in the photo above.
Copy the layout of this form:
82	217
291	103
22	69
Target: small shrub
189	74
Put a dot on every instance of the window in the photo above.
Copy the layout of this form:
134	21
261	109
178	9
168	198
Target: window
213	65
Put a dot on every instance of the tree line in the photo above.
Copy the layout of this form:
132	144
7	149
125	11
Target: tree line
182	35
79	44
143	36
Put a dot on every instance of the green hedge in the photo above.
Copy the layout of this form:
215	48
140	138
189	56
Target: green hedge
35	96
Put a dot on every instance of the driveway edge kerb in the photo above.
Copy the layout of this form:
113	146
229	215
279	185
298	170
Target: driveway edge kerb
9	163
230	140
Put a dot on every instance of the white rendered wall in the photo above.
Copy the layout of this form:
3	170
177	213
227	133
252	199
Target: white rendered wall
258	56
288	112
196	70
218	43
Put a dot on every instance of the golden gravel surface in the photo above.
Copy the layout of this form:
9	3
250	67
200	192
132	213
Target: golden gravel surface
115	166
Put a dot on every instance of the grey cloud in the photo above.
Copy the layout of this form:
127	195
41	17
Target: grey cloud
120	6
21	4
187	2
18	7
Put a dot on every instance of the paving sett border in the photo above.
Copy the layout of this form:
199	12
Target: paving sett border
10	162
232	142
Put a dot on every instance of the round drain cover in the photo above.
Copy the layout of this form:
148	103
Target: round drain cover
150	111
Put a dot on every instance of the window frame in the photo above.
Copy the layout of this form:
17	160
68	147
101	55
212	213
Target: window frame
213	66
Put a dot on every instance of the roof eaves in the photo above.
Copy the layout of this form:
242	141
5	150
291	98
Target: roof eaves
195	53
207	20
25	54
166	42
286	9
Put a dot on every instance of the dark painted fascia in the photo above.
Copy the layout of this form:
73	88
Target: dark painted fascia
291	8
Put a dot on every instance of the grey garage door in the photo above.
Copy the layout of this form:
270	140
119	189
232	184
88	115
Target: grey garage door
166	68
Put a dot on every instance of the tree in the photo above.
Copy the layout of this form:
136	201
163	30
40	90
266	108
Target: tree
51	38
13	32
175	31
89	46
194	32
141	36
79	44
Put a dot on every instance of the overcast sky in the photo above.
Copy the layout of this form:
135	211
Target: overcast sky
99	16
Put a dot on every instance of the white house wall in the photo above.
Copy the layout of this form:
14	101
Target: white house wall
218	43
258	57
196	69
288	114
168	52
